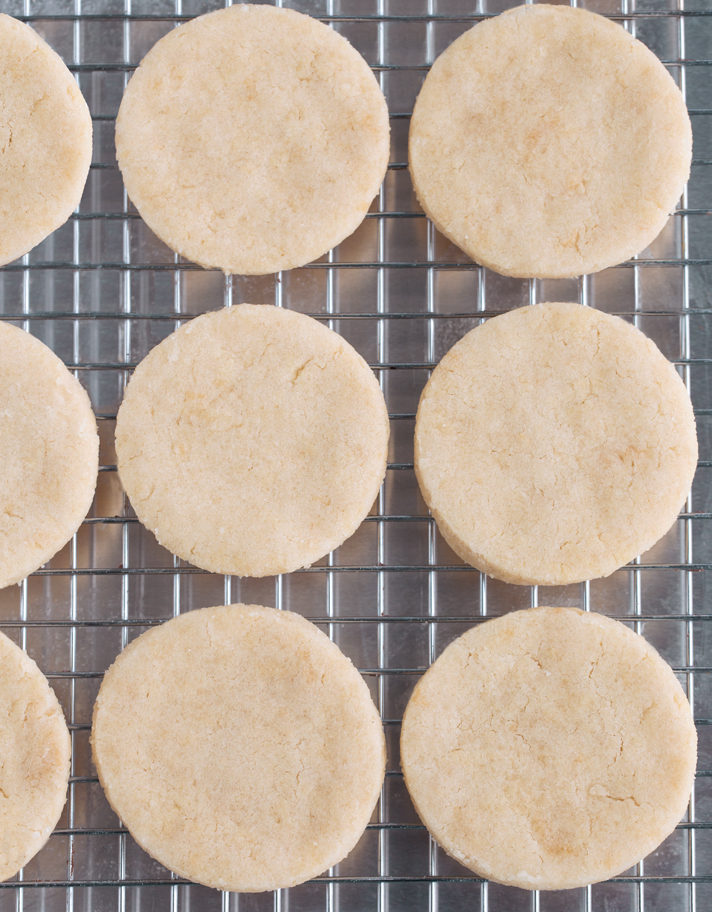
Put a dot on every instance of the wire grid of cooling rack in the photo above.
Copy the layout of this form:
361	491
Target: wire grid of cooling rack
102	291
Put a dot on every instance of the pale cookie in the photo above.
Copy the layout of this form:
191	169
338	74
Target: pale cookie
267	765
45	140
549	142
253	139
49	454
553	444
549	749
35	749
252	441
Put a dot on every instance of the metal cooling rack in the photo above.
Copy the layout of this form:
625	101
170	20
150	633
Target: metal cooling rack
102	291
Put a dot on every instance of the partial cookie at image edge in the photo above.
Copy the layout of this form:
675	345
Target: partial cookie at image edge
45	137
36	751
49	452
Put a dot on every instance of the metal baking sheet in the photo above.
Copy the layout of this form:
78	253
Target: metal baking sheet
103	290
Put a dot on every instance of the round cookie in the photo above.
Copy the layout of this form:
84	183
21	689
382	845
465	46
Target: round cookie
35	749
549	749
268	766
549	142
252	441
553	444
278	122
45	140
49	453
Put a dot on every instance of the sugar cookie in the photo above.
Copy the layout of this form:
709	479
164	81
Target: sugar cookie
267	767
45	140
35	749
49	453
253	139
252	441
549	749
553	444
549	142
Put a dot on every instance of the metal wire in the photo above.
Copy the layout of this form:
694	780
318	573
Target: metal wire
102	291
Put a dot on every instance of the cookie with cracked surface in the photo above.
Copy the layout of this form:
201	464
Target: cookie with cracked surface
268	766
252	441
253	139
49	454
35	749
45	140
553	444
549	749
549	142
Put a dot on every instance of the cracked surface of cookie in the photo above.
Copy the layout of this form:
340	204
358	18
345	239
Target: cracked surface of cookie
266	769
553	444
35	749
45	140
549	748
253	139
49	454
549	142
252	441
